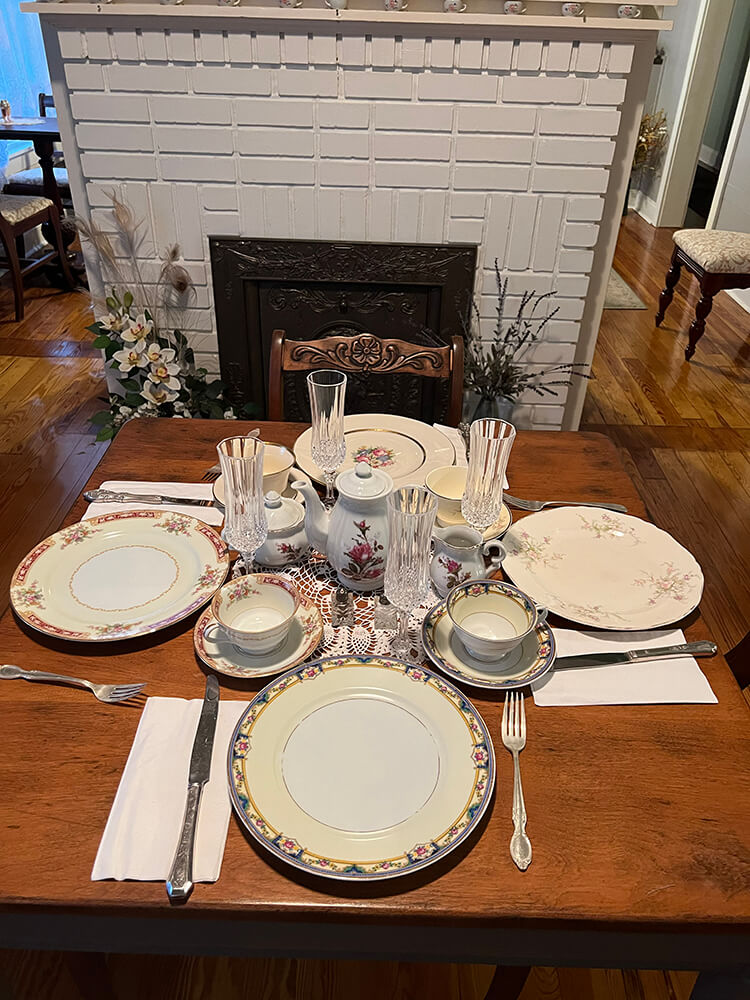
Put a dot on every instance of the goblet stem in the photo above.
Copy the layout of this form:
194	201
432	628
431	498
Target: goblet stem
247	561
330	479
401	643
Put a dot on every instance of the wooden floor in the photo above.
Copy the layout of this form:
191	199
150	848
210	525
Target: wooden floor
684	431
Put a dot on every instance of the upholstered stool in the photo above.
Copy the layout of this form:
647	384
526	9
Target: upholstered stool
718	259
18	215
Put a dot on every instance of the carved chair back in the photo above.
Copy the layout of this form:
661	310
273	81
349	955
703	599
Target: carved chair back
367	356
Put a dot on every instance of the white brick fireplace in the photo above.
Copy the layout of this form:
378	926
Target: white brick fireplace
499	131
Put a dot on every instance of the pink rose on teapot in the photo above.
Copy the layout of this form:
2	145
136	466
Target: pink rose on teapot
572	9
628	10
395	4
514	7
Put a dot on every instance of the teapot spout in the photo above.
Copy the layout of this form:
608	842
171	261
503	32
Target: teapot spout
316	517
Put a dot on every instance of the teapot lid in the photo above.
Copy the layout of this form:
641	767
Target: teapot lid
364	483
282	512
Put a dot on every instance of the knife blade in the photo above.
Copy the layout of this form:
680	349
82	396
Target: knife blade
112	496
702	648
180	879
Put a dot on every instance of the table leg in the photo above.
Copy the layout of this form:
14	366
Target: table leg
43	148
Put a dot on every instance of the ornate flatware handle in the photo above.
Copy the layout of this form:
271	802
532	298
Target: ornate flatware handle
520	845
180	880
700	648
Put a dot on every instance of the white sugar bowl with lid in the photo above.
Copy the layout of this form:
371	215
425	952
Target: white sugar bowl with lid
354	538
286	541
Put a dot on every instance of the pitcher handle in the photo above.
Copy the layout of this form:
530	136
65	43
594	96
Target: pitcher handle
497	560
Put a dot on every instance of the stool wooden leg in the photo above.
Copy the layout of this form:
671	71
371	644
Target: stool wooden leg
14	266
60	246
673	276
705	304
507	982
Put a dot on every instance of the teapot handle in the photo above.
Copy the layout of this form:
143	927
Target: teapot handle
495	560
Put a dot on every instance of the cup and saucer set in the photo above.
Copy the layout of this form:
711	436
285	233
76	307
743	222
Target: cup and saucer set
257	625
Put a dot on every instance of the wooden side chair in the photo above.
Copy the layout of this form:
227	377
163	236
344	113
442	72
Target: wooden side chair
718	259
366	354
19	214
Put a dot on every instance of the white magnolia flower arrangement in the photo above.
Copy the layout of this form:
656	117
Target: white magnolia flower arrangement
154	368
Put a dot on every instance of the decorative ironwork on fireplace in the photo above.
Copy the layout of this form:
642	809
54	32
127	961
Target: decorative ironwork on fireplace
315	289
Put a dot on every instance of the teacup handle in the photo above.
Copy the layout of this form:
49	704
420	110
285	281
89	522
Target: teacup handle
638	13
541	614
207	629
497	559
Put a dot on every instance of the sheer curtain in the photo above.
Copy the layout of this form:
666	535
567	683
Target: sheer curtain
23	67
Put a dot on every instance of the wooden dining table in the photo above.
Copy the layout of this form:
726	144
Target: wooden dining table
639	814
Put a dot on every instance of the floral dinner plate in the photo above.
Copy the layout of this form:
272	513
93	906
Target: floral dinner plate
522	665
406	449
360	768
119	575
220	653
603	569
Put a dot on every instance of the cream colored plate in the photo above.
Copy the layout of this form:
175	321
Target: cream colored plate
404	448
221	654
119	575
496	530
360	768
598	568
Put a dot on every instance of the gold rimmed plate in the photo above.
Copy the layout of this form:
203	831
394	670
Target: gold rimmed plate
360	768
119	575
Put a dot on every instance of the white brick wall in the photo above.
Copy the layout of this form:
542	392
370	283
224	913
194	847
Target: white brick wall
502	143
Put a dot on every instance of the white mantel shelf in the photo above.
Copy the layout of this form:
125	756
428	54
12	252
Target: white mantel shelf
353	16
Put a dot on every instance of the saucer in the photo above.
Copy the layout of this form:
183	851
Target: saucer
522	665
222	655
288	492
496	530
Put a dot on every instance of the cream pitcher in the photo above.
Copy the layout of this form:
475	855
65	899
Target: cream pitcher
459	557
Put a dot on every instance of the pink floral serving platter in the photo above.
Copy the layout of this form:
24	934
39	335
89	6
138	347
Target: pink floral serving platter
360	768
120	575
603	569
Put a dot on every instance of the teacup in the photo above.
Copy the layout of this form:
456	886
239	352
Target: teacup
337	4
290	3
514	7
454	6
572	9
255	612
229	3
277	461
628	10
447	485
395	4
491	618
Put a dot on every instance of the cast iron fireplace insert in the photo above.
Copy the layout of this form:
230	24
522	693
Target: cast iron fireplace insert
314	288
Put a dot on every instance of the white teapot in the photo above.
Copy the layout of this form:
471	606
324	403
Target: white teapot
354	538
286	541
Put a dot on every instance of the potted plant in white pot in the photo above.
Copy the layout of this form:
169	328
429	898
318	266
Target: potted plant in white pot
495	371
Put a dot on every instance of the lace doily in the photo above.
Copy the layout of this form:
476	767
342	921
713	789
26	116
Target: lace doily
317	580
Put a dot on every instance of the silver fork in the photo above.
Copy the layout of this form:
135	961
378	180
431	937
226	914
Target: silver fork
514	738
110	693
535	505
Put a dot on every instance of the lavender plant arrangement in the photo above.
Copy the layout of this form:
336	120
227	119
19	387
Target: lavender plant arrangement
496	371
151	370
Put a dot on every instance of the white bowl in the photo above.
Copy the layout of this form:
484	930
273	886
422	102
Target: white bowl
491	617
256	611
277	461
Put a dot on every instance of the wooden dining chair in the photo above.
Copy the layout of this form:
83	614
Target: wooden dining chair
18	215
367	355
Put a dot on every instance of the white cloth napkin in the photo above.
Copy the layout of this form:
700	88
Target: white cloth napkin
454	436
673	680
144	824
193	491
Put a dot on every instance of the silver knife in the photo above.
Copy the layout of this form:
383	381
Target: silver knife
180	879
702	648
110	496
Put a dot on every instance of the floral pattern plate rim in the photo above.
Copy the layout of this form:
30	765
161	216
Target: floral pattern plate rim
528	662
265	799
434	446
602	569
303	639
166	565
